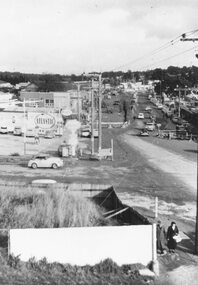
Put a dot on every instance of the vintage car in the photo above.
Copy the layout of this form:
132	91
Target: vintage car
140	116
45	161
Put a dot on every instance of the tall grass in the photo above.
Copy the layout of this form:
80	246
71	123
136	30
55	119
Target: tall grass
50	209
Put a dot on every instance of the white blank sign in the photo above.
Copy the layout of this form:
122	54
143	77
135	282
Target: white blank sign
81	246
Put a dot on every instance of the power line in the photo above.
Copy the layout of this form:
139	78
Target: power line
165	46
149	65
161	48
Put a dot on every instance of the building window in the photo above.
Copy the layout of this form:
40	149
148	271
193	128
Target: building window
49	103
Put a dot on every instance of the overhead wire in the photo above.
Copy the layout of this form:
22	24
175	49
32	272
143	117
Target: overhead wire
165	46
149	65
158	50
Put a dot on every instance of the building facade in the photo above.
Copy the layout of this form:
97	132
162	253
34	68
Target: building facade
54	100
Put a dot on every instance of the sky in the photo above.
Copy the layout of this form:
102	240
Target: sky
75	36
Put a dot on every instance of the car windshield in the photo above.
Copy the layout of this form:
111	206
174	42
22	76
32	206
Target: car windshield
40	157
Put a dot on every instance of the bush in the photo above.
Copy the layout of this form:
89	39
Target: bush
53	209
15	154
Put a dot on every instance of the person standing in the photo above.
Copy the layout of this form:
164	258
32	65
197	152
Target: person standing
172	232
161	238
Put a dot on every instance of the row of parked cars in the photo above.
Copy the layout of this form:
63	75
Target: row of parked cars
30	132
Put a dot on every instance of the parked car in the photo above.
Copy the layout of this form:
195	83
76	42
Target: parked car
44	160
85	131
3	130
150	126
175	119
116	102
140	116
148	108
144	133
159	106
17	131
30	133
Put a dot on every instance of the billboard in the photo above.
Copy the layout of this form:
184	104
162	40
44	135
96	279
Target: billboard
85	245
45	121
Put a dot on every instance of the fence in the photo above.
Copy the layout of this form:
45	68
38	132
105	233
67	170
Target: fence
174	134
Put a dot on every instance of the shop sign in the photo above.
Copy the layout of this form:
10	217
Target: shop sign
44	121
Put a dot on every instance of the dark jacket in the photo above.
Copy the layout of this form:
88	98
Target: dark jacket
170	234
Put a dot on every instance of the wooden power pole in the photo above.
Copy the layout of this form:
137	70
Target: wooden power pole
78	94
92	117
99	114
184	38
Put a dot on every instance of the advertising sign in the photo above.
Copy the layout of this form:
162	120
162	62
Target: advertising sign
45	121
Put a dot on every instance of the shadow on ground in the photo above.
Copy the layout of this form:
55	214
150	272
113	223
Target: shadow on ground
191	150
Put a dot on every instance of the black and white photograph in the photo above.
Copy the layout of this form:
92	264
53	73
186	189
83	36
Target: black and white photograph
98	142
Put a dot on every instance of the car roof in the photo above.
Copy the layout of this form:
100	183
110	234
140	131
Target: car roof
42	155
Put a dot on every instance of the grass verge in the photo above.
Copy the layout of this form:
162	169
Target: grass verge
50	209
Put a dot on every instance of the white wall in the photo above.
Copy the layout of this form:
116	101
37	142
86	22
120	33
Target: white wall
81	246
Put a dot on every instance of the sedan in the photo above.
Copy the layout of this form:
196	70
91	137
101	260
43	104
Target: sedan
148	108
3	130
144	133
44	160
150	126
159	106
175	119
140	116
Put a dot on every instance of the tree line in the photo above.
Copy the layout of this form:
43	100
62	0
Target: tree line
168	79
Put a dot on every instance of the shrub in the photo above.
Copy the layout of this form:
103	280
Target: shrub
15	154
52	209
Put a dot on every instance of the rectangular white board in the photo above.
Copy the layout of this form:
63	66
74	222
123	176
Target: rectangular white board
81	246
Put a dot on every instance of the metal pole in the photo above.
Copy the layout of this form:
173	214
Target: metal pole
99	115
155	263
24	123
185	92
92	118
196	226
156	207
179	102
78	91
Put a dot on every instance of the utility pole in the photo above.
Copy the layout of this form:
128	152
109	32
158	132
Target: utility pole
196	226
99	76
24	121
179	110
180	89
78	91
79	98
92	117
24	130
99	115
